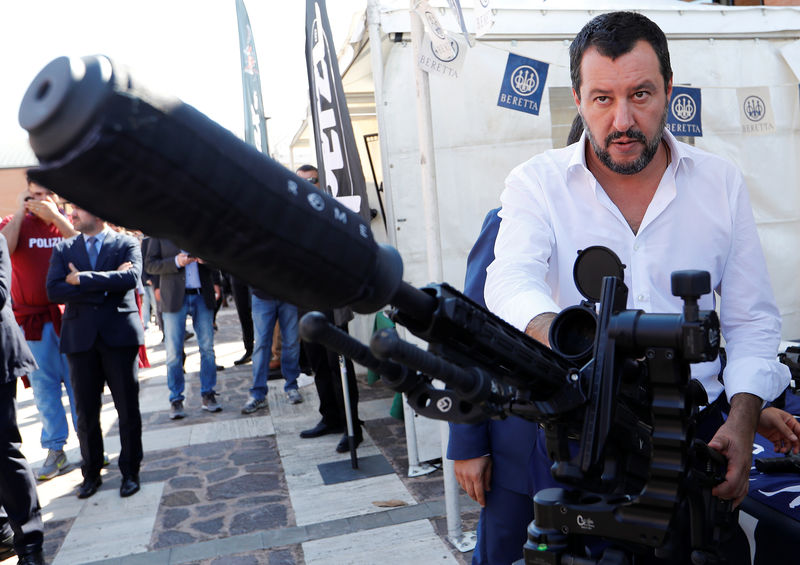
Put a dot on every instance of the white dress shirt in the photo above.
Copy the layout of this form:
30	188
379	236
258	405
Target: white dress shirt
699	218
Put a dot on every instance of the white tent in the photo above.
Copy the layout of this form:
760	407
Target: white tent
715	48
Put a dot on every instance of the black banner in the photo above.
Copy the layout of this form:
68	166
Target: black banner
255	132
340	172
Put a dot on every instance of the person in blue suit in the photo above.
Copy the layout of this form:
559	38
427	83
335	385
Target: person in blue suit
95	273
491	459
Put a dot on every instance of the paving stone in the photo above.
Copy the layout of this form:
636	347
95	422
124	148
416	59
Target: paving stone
282	557
238	560
174	516
210	465
180	498
267	517
184	482
222	474
239	486
256	455
171	538
209	509
212	526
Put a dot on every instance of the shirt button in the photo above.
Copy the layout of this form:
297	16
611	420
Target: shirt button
636	247
640	298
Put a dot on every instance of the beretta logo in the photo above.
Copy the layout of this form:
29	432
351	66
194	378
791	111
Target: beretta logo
754	108
454	48
683	108
524	80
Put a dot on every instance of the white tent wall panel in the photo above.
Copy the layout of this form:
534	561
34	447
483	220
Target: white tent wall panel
477	143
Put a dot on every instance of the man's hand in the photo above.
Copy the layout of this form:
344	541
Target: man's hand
781	428
125	266
74	276
45	209
217	292
183	259
734	440
474	476
539	327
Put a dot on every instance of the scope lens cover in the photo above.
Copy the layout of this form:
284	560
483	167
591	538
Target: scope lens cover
592	265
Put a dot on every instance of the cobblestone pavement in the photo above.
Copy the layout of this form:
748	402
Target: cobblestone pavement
224	495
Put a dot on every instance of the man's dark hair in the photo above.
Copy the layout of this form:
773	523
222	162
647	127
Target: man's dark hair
306	168
30	181
615	34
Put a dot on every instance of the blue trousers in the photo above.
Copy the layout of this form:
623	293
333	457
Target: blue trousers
46	382
174	331
502	527
265	313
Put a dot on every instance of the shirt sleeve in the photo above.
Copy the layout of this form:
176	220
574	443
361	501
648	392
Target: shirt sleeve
516	285
749	318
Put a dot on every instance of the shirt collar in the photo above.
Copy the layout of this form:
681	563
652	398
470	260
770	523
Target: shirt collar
100	237
679	153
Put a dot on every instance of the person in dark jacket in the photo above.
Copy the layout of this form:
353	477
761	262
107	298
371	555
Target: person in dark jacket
20	510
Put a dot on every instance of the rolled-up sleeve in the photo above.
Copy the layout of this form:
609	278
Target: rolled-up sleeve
749	318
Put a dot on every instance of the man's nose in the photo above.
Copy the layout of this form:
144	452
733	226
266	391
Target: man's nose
623	116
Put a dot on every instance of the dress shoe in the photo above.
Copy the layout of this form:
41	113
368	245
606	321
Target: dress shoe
246	358
129	486
89	487
220	368
344	446
321	429
35	558
6	543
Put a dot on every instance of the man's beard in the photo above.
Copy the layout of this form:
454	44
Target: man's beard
650	147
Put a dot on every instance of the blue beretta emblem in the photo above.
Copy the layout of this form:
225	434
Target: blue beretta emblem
683	107
754	108
523	84
683	116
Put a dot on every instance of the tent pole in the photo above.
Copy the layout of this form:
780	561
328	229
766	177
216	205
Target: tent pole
376	56
376	62
434	249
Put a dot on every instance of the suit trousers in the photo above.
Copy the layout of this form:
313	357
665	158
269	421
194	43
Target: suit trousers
328	382
90	371
500	537
17	485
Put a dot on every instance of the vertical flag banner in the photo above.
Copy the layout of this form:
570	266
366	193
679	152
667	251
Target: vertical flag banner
455	5
442	44
433	63
484	17
339	165
683	117
755	110
255	132
523	84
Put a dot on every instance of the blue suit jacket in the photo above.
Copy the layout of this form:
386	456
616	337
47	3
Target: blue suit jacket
105	301
510	442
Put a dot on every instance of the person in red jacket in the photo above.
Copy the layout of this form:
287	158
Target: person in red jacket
32	232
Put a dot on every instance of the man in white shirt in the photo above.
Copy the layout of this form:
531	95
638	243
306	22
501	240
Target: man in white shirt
660	205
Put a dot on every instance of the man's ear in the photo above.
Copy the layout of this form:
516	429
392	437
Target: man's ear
577	98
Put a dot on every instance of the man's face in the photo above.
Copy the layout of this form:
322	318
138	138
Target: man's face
38	193
310	176
83	221
623	105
